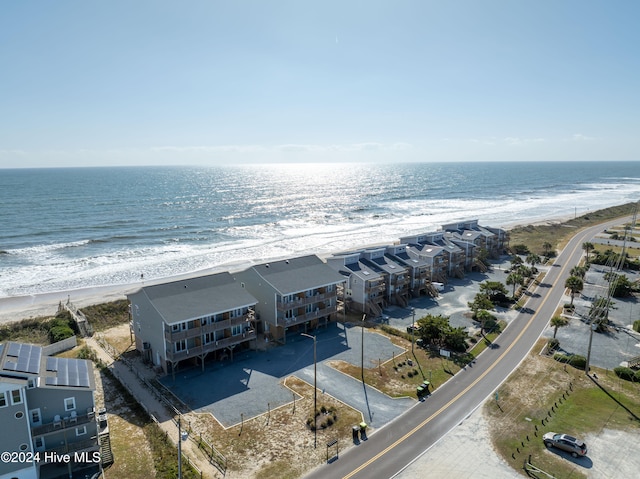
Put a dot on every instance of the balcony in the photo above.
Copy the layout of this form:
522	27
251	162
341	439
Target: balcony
77	446
303	318
196	351
375	288
304	300
173	336
62	423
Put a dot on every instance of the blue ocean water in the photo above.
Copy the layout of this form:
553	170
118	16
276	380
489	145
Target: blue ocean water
68	228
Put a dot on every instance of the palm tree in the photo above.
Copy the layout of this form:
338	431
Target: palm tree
516	261
573	284
533	259
587	246
515	279
579	271
558	322
546	248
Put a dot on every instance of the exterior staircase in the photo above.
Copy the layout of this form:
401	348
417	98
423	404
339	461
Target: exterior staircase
106	455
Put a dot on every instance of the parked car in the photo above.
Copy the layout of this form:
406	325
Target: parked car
565	442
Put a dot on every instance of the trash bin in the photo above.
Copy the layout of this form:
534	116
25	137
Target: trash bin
363	430
354	432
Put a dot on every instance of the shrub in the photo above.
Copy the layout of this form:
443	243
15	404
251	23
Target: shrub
624	373
520	249
575	360
59	333
636	376
636	326
553	344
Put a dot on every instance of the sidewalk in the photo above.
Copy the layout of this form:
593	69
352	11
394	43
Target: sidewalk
165	418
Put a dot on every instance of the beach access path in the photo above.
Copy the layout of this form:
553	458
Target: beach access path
133	381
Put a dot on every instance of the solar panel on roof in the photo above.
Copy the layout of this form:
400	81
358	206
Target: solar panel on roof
52	364
34	360
10	365
51	381
14	349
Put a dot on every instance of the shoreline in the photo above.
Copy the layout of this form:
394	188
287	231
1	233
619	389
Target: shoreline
17	308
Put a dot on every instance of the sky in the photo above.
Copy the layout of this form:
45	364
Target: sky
224	82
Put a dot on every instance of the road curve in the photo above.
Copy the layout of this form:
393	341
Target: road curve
399	443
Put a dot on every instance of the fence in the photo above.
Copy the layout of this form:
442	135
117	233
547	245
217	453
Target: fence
60	346
112	352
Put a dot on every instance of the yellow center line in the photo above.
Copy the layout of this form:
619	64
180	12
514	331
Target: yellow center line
463	392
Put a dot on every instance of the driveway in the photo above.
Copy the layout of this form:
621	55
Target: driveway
251	384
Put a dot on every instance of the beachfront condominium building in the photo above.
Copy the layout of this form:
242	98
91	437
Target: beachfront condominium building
435	256
46	411
192	320
493	240
396	276
420	268
456	256
293	294
365	287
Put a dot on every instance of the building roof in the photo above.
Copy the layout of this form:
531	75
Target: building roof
356	268
21	361
297	274
196	297
429	250
386	264
20	358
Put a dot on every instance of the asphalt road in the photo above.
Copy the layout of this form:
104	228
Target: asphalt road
395	446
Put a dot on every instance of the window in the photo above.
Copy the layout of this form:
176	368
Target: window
3	400
16	397
208	338
81	430
38	443
236	330
19	415
31	384
181	345
24	447
69	404
35	417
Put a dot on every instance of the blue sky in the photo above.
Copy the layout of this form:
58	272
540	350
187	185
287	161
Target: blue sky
212	82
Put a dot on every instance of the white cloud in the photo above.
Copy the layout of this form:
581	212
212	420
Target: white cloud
581	137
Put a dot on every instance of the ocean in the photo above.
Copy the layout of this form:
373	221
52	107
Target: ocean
68	228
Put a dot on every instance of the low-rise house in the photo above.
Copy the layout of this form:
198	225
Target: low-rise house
293	294
365	287
47	411
192	320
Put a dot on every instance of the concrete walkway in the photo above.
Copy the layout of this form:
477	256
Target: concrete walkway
166	419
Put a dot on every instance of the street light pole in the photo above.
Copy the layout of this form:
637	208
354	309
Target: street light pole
315	390
413	324
362	349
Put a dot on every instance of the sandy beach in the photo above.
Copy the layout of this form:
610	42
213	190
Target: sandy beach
46	304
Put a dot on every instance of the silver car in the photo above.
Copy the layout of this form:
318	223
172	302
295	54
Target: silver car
565	442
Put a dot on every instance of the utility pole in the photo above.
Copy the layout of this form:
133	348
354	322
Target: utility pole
179	449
